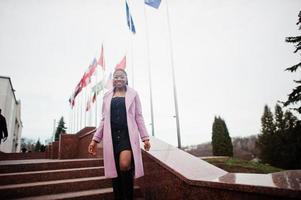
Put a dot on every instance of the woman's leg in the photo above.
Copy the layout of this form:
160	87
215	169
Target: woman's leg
126	172
117	182
125	160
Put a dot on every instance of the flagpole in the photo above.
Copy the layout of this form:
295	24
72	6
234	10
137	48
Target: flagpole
73	119
132	56
95	92
77	116
69	124
90	103
129	18
72	122
173	78
81	110
149	73
90	109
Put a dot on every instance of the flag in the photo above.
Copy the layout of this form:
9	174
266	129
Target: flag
109	83
88	105
98	87
92	68
101	60
77	90
72	101
94	97
153	3
122	64
85	80
129	18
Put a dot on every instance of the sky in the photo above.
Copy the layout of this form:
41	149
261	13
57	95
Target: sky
228	56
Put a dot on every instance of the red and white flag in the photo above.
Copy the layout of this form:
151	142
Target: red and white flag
101	59
109	82
122	64
94	97
88	105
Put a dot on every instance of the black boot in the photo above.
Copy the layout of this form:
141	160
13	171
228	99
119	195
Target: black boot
127	184
117	188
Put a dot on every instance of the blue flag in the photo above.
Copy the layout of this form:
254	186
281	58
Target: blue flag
129	18
153	3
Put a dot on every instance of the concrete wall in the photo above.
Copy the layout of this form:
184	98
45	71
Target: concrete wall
11	110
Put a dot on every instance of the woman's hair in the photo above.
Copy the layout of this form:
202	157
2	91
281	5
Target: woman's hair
126	75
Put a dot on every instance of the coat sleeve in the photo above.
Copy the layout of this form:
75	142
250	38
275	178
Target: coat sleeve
139	119
99	131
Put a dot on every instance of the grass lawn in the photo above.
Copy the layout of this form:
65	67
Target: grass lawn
231	164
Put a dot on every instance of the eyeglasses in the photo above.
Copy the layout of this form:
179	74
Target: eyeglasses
119	77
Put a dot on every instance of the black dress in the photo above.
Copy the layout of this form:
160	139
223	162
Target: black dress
119	128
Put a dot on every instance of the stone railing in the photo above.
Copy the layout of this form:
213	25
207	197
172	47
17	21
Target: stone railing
171	173
72	146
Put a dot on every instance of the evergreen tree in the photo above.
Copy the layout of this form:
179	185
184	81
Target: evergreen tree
280	139
43	148
37	146
295	96
221	141
264	141
278	154
60	129
279	119
290	120
291	143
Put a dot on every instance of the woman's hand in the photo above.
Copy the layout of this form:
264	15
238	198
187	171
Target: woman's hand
146	145
92	148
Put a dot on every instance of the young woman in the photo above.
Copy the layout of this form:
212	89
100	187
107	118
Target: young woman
121	126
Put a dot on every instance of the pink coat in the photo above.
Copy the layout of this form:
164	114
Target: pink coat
136	128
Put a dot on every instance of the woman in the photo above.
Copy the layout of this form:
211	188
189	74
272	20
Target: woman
121	125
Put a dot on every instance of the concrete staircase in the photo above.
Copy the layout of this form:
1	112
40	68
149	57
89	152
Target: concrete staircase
78	179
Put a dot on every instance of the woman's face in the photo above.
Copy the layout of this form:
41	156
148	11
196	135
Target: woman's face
119	79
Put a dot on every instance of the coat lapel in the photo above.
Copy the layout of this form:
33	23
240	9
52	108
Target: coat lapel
109	99
129	97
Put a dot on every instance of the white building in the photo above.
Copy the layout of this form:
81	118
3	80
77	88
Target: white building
11	110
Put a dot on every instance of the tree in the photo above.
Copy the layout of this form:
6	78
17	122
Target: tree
264	141
42	148
221	141
27	144
295	96
291	143
280	139
279	119
60	129
37	146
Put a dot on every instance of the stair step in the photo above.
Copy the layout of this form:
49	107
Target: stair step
53	187
12	166
48	175
96	194
86	194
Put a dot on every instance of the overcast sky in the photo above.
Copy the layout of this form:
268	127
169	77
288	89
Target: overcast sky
229	59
